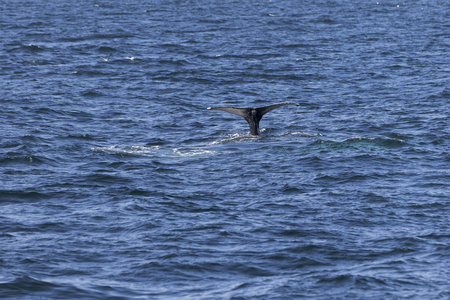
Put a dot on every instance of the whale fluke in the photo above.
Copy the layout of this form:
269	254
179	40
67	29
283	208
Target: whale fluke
253	115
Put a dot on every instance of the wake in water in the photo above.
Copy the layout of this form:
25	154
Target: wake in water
155	151
363	143
236	138
129	151
213	148
195	150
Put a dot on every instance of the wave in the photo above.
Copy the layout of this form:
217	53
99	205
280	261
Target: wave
199	150
156	151
20	196
129	150
301	133
31	48
15	158
32	288
236	138
358	143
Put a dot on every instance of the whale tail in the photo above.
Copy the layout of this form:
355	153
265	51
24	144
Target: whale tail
253	115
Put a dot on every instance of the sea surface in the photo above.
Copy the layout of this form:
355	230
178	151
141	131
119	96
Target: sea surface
117	183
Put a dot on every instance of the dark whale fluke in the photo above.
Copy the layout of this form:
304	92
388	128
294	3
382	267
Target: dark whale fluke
253	115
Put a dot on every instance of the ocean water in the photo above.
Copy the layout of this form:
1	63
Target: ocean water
117	183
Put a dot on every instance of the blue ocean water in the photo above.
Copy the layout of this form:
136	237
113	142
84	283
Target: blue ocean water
117	183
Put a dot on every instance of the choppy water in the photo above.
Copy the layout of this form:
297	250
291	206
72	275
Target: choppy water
116	182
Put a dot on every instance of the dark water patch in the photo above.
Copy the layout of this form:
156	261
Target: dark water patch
18	159
30	287
46	112
89	71
156	141
80	115
375	197
24	286
294	233
207	209
52	227
289	262
106	50
350	281
92	94
103	178
440	238
30	48
7	196
176	63
146	193
288	189
36	24
430	206
30	138
81	136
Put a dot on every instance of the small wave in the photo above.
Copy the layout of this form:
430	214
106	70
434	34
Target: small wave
105	49
27	48
362	143
32	288
354	280
19	196
156	151
235	138
38	62
245	137
12	158
102	178
288	189
193	152
81	136
301	133
47	111
129	151
444	94
23	286
92	94
89	72
34	24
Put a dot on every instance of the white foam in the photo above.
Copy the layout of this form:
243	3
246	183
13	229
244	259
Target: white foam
235	138
193	152
133	150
